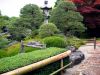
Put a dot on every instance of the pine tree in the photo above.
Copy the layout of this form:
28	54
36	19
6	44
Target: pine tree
67	19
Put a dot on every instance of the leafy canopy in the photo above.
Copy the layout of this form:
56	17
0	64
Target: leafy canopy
31	16
67	19
30	19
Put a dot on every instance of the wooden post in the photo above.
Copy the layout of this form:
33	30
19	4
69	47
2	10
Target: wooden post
22	47
62	66
94	42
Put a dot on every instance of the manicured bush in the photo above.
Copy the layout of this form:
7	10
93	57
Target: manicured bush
74	41
11	63
50	68
54	41
46	30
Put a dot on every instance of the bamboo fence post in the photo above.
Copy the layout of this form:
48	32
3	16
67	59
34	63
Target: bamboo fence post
94	42
22	47
62	66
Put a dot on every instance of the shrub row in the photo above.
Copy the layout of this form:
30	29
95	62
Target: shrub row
50	68
74	41
11	63
55	41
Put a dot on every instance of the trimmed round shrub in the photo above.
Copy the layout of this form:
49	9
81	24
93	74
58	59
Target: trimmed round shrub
47	30
54	41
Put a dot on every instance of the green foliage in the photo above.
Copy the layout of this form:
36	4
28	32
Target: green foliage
34	33
19	33
54	41
60	35
31	16
14	49
3	21
74	41
57	2
3	42
3	53
48	30
50	68
11	21
30	19
67	19
11	63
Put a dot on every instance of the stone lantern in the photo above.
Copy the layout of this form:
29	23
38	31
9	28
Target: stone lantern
46	11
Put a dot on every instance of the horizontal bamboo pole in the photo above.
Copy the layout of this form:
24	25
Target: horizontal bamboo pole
55	72
39	64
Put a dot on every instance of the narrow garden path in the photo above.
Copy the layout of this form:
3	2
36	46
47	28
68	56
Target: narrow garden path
90	65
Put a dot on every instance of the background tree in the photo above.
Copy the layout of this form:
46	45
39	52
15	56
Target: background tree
18	29
90	9
27	24
31	16
3	22
67	19
19	33
11	21
57	2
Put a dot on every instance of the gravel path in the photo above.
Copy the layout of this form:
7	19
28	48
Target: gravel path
90	65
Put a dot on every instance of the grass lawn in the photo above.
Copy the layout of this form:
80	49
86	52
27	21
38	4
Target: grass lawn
15	49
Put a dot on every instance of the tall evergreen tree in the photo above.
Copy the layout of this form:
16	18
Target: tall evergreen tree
67	19
57	2
31	16
27	24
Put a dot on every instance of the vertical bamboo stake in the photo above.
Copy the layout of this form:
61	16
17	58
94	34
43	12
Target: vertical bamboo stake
94	42
62	66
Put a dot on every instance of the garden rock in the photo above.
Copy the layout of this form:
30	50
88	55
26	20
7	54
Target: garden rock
36	44
72	48
76	57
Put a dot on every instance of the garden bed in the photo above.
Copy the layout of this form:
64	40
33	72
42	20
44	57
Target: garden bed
23	59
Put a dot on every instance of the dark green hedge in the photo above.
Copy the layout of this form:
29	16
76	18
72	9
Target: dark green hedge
11	63
47	70
55	41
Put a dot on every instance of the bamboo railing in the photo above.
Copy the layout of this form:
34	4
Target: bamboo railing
38	65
